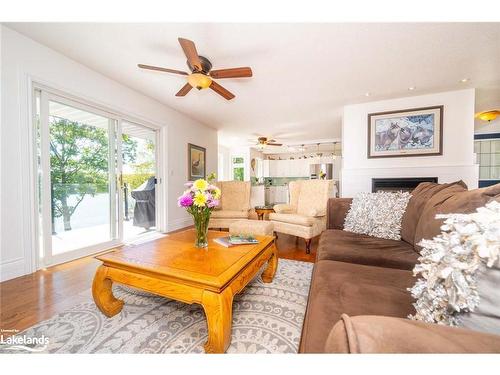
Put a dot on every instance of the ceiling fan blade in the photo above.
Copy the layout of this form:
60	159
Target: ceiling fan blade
221	90
231	73
184	90
190	51
274	144
150	67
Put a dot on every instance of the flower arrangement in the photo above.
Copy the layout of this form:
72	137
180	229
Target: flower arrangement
450	263
200	198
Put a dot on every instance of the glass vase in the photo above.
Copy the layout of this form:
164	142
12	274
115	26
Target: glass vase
201	220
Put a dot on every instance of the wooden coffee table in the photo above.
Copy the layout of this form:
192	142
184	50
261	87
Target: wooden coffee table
172	267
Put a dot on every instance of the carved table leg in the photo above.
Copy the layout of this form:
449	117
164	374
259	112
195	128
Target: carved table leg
272	266
103	295
219	312
308	245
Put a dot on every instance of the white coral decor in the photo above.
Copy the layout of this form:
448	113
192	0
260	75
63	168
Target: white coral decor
449	264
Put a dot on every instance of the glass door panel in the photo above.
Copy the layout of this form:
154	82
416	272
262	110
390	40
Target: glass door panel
138	180
80	190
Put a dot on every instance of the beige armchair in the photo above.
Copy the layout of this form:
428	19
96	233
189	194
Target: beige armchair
234	204
305	216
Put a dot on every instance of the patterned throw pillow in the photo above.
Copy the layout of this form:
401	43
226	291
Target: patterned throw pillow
460	271
377	214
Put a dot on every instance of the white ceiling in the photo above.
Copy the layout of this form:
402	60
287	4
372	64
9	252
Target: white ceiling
303	73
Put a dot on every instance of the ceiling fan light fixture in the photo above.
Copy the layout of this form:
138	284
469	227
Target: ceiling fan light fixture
199	81
488	115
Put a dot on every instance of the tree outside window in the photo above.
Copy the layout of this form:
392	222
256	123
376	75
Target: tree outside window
238	168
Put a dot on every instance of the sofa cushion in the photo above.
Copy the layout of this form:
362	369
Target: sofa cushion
452	200
343	288
305	221
350	247
381	334
227	214
337	210
419	197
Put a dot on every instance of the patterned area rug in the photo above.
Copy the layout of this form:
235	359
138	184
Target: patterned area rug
267	318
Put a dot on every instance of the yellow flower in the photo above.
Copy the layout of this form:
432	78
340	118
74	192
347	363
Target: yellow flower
217	193
200	199
200	184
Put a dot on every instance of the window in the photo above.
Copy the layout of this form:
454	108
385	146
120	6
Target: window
238	168
487	151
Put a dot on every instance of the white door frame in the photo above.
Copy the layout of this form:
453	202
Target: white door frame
93	107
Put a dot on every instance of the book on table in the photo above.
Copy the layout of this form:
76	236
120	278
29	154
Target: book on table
236	240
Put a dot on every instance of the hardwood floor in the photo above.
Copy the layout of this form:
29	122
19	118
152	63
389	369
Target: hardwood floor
30	299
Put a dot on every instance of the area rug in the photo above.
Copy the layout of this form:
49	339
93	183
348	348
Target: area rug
267	318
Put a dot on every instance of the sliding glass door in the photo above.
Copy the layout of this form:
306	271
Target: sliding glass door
96	179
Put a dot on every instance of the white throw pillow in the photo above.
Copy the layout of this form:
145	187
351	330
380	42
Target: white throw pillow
486	316
377	214
460	272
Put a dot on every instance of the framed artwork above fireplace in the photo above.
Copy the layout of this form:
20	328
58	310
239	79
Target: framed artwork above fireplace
408	132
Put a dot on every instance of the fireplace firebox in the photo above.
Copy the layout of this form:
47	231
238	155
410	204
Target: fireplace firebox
399	184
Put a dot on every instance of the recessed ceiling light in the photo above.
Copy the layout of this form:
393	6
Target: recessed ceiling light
411	88
367	94
464	80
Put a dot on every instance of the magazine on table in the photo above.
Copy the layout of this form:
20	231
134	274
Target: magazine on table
235	240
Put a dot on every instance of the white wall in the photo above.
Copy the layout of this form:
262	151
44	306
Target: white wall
457	161
225	168
23	58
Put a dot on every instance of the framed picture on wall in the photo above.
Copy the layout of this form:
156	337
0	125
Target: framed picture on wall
408	132
196	162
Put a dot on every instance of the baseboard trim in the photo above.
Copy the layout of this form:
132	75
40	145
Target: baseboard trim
180	223
12	269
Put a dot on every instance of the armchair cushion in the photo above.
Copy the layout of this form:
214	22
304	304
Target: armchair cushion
293	219
381	334
235	195
314	212
229	214
283	208
314	195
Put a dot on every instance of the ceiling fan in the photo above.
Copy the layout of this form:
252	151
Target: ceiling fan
202	76
263	141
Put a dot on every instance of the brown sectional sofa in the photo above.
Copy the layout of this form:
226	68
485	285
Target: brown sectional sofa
358	297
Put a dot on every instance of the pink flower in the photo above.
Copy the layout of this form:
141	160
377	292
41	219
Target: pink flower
213	203
185	200
188	184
